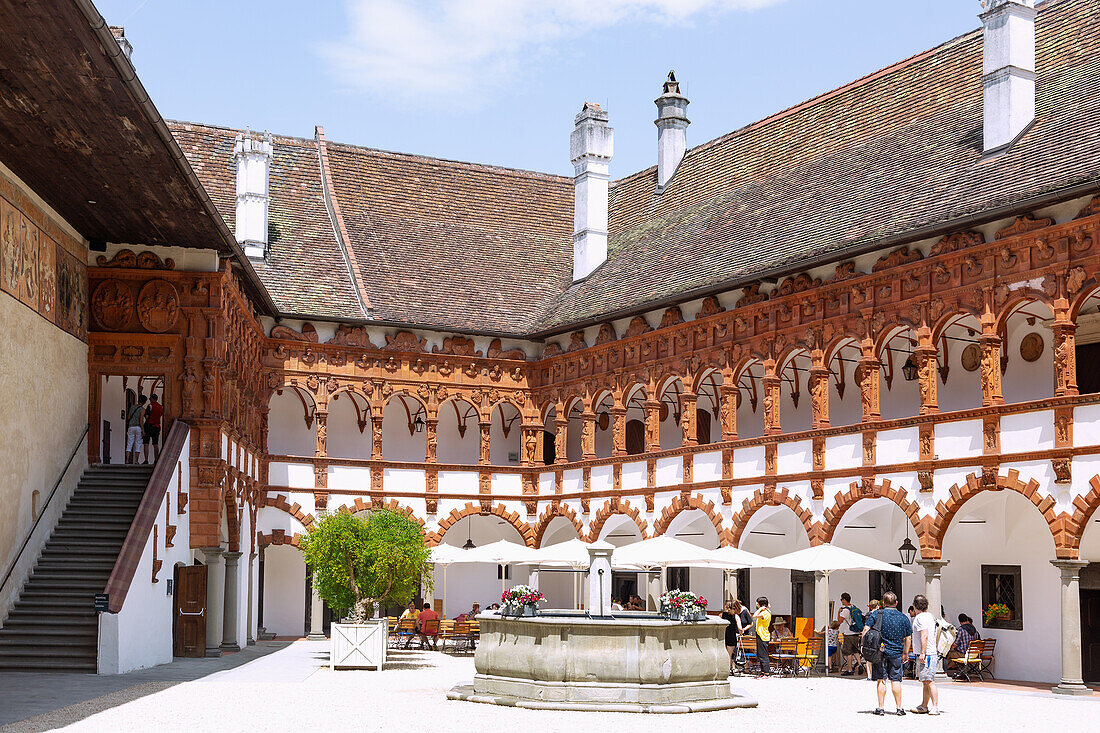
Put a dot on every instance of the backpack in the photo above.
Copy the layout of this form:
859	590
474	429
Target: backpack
855	617
871	645
945	637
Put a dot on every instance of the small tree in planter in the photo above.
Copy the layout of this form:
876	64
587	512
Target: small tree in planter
357	562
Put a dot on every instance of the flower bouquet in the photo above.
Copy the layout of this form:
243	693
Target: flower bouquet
997	612
683	605
520	600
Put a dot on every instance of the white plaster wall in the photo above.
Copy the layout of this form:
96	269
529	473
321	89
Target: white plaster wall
605	439
345	440
793	418
707	466
844	451
284	591
397	443
572	480
453	447
404	479
1024	380
794	457
349	478
901	398
512	483
300	475
671	434
748	462
750	423
634	475
1027	431
1086	425
846	410
670	471
897	446
573	451
287	433
140	634
602	479
960	439
112	408
457	482
963	389
505	451
1013	533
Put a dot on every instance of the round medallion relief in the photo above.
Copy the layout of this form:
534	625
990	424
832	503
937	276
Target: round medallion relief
1031	347
112	305
971	357
158	306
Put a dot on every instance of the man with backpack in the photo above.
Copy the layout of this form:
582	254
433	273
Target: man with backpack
851	626
886	637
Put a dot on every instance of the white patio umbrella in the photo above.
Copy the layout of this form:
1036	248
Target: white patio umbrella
661	552
501	552
447	555
571	554
733	558
826	559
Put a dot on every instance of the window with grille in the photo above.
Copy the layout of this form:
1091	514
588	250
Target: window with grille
1001	585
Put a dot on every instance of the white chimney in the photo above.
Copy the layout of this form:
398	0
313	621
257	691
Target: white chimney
590	148
672	124
1008	70
253	156
120	36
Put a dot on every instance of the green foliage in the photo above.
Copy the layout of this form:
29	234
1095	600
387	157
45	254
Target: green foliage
356	561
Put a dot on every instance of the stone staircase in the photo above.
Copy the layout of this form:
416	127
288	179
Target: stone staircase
52	626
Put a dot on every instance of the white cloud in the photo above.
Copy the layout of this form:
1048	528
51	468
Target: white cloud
455	48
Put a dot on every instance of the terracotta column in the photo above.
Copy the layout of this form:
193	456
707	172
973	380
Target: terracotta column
561	426
728	411
652	426
430	440
991	367
867	377
618	431
321	417
215	599
927	358
819	392
376	436
688	418
770	383
1065	357
230	634
529	438
483	448
1072	682
588	435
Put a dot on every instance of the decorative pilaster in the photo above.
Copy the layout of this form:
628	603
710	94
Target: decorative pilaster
376	436
485	430
728	411
1072	682
991	364
316	617
689	418
588	435
652	426
1065	357
770	383
561	426
819	394
618	431
927	359
868	379
321	418
431	442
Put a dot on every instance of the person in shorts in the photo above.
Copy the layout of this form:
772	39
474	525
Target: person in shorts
849	637
134	417
924	646
153	414
897	633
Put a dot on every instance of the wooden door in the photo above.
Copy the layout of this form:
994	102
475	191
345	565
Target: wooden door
190	626
1090	635
635	437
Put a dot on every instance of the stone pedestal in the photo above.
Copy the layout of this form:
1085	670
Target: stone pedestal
624	664
230	626
316	618
1072	682
215	599
599	578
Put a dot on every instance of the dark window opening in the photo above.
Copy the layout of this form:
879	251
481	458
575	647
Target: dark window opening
1001	585
549	449
1088	368
702	427
635	437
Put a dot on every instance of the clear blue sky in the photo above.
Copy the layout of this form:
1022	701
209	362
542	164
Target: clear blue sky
499	81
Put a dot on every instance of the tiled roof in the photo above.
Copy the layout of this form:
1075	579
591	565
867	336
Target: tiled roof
895	152
470	247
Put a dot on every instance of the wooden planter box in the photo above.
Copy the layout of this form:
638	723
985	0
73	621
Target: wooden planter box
359	646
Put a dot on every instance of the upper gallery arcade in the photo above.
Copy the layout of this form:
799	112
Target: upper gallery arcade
882	303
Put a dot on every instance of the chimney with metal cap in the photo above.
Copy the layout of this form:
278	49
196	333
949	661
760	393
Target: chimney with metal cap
1008	71
672	124
253	156
591	146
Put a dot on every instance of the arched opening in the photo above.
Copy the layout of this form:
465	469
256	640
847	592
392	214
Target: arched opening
999	549
696	528
1087	340
558	585
284	594
772	531
349	426
1028	352
504	435
876	527
605	424
1090	600
707	415
634	400
403	437
795	411
899	396
574	451
960	362
845	405
549	436
469	583
291	425
458	434
621	530
672	435
750	411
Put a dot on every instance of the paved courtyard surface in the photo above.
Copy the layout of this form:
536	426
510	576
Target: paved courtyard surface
285	686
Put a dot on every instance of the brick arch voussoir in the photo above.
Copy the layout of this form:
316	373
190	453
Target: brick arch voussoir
513	518
972	486
1084	508
843	501
680	504
609	509
391	504
778	497
279	501
277	537
552	513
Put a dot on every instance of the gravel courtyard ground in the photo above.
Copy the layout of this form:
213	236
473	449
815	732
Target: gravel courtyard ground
291	689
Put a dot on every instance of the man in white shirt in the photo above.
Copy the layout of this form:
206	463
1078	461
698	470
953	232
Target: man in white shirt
924	646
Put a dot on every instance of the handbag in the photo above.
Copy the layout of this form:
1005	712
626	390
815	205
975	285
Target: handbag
871	645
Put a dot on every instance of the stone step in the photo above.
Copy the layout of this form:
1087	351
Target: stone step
55	634
61	615
24	662
45	607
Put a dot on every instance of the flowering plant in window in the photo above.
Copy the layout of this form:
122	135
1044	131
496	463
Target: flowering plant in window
683	604
521	599
995	611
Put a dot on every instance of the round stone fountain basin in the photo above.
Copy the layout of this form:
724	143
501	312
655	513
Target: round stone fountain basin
625	663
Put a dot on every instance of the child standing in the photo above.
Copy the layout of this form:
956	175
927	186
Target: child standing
832	641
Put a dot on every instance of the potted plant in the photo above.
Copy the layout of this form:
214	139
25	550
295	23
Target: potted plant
683	605
997	612
520	600
357	562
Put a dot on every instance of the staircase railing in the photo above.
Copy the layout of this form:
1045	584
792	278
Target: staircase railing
57	484
118	585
